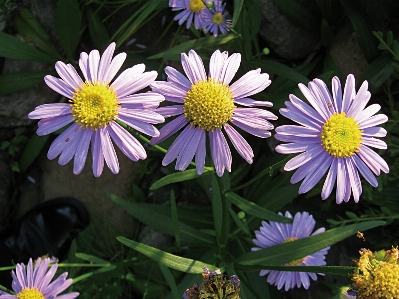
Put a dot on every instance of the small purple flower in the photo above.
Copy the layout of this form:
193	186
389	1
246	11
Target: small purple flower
34	282
275	233
190	10
215	19
206	105
334	134
94	106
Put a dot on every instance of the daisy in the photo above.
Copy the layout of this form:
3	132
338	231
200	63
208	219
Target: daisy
215	19
278	233
335	133
34	282
190	9
94	107
206	105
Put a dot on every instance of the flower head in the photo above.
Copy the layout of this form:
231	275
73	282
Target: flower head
95	105
215	285
377	274
335	133
190	10
275	233
215	19
209	104
33	282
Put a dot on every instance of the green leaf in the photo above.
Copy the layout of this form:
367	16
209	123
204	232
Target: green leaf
169	260
290	251
217	208
362	24
14	82
378	72
33	32
255	210
169	279
163	223
67	21
98	31
13	48
32	150
93	273
237	10
175	217
179	177
90	258
208	42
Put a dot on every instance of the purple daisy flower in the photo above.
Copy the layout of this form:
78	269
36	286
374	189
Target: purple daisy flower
215	19
94	106
278	233
207	104
191	9
334	134
34	282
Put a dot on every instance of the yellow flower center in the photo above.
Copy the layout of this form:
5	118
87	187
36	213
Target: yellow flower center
30	293
377	275
94	105
217	18
295	262
341	136
208	104
196	6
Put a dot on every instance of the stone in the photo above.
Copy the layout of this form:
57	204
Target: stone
284	37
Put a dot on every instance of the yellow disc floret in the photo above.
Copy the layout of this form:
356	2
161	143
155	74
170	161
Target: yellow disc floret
196	6
295	262
341	136
94	105
217	18
30	293
208	104
377	275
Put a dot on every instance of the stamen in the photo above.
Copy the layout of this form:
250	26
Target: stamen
196	6
30	293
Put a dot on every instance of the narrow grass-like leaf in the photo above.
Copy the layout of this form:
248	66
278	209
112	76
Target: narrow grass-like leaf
93	273
217	208
362	24
169	260
160	222
90	258
13	48
290	251
10	83
33	32
98	31
67	21
186	175
208	42
332	270
272	66
32	150
378	72
237	10
175	217
255	210
169	279
241	225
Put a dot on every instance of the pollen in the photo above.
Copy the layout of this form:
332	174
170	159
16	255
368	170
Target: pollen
30	293
341	136
208	105
94	105
196	6
377	274
295	262
217	18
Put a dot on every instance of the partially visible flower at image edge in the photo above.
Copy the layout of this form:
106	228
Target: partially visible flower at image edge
215	19
377	274
275	233
335	134
191	10
207	104
34	282
95	105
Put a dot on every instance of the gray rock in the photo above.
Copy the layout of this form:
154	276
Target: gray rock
285	38
14	108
